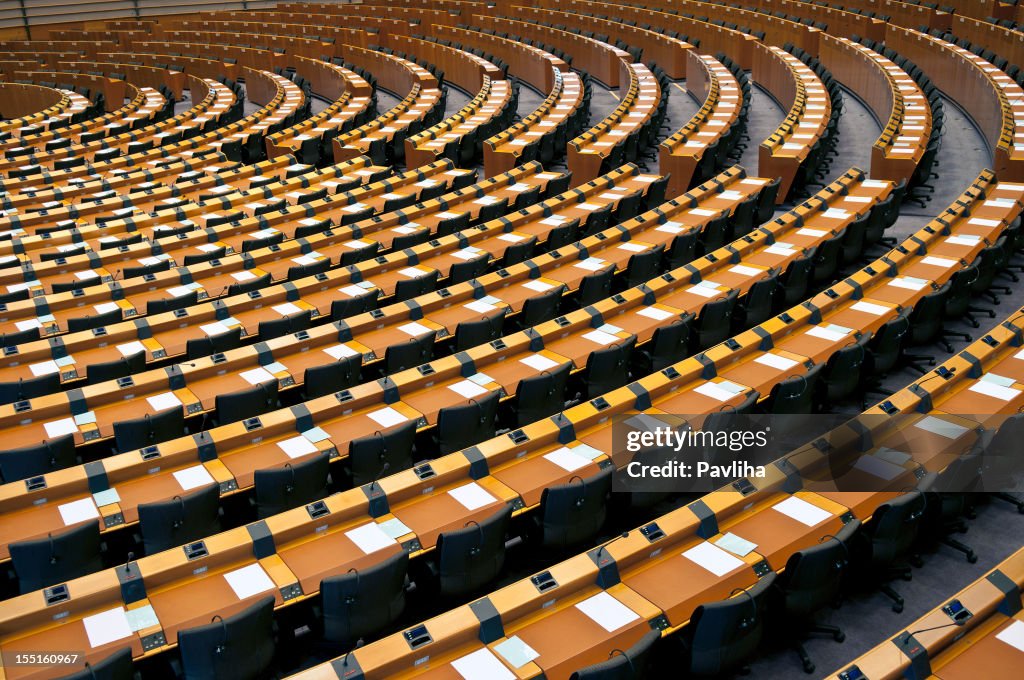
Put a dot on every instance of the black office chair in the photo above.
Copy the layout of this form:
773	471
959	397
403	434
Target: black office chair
813	578
38	459
294	484
286	325
240	646
117	666
643	267
364	602
257	283
725	635
668	345
714	322
540	308
798	393
388	451
757	305
540	396
794	283
11	392
607	368
574	512
85	323
846	369
467	424
213	344
468	558
184	518
622	665
477	332
595	287
43	562
409	354
406	289
886	543
926	325
170	304
150	429
119	368
247	403
333	377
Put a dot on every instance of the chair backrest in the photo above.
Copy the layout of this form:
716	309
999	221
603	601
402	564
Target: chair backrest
29	461
622	665
813	576
364	602
928	318
574	512
643	266
251	402
150	429
470	557
467	424
727	633
160	305
345	307
275	328
409	288
239	646
596	286
540	308
795	281
670	343
387	451
844	370
540	396
294	484
608	368
184	518
213	344
757	304
43	562
472	333
893	527
409	354
795	394
11	392
119	368
85	323
117	666
714	321
333	377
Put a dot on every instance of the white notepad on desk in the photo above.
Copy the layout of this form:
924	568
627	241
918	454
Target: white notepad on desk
607	612
249	581
472	496
712	558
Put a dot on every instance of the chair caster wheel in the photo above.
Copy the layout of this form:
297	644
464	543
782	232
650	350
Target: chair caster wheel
972	558
808	667
839	637
897	608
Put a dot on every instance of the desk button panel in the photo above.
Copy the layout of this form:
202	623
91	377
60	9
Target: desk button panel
291	592
114	520
153	641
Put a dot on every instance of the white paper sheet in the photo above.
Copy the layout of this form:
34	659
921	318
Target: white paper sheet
607	612
78	511
735	544
776	361
482	665
709	556
106	627
601	338
338	352
467	389
257	376
161	402
940	427
539	362
567	459
370	538
193	477
472	496
825	333
414	329
806	513
1013	635
877	467
130	348
655	313
386	417
715	391
995	391
297	447
57	428
516	652
869	308
249	581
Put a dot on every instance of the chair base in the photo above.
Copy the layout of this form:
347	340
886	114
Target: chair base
835	631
